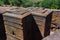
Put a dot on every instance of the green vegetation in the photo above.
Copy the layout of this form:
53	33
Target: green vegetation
51	4
54	4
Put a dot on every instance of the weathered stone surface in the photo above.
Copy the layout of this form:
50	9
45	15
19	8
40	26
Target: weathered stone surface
30	30
55	19
13	24
12	37
55	36
42	17
13	21
14	31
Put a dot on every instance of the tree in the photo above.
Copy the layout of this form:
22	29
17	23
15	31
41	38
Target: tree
27	3
46	3
1	3
14	2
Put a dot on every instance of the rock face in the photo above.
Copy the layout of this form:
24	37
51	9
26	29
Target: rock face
32	23
55	33
27	23
20	24
56	19
15	21
42	17
55	36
